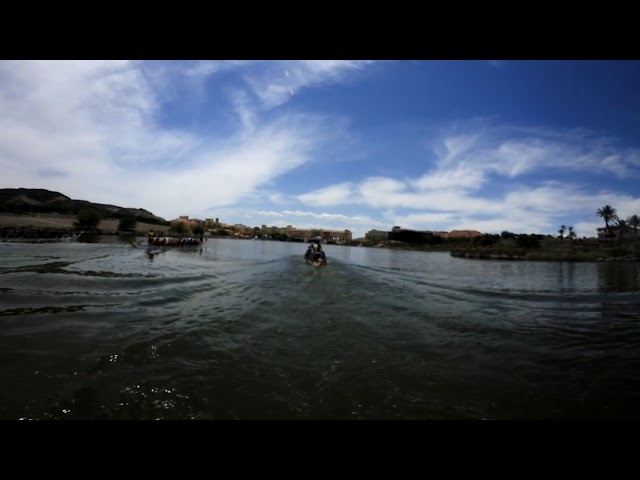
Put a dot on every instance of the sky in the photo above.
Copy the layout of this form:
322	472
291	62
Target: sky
523	146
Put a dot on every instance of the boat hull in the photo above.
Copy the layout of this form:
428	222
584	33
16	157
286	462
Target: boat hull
316	263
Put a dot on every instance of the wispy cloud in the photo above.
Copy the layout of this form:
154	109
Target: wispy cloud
357	224
333	195
358	219
460	192
275	82
99	126
206	68
460	177
515	151
244	110
228	137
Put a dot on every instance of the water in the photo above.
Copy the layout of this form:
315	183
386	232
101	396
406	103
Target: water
247	330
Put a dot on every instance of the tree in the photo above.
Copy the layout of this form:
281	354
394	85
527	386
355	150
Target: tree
562	230
179	227
198	230
634	222
528	241
88	218
486	240
607	213
128	223
572	233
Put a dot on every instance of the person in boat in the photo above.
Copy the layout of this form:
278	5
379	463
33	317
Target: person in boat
309	253
319	255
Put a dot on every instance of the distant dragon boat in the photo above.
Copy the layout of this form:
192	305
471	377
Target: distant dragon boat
158	245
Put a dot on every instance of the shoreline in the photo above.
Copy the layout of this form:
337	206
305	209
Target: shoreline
614	253
596	253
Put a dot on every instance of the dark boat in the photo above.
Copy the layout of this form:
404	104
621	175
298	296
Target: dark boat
315	256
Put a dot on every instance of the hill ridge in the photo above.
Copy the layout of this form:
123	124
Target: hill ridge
40	200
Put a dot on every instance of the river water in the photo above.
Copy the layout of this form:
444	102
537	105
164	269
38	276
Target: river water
245	329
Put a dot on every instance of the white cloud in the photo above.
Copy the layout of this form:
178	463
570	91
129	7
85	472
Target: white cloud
244	111
95	127
273	86
206	68
332	195
460	177
513	152
460	192
521	210
383	192
327	217
452	147
97	130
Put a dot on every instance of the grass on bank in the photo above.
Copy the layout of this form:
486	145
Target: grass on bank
544	249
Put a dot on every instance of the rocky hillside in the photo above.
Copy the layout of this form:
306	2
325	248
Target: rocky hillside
29	200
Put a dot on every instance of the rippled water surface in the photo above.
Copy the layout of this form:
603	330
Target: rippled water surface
246	330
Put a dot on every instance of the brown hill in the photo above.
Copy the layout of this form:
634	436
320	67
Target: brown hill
38	200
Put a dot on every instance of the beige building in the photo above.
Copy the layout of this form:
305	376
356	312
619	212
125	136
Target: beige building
306	234
189	222
376	235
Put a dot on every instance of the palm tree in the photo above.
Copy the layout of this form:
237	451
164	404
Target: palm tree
572	233
607	213
634	221
561	231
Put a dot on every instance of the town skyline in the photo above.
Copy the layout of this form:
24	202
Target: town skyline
306	233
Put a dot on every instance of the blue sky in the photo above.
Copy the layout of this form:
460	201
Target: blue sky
494	145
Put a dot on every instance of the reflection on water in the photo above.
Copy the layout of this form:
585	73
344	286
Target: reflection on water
566	276
246	329
618	276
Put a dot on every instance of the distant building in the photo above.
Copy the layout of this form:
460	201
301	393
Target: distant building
614	232
189	222
376	236
307	234
399	232
243	230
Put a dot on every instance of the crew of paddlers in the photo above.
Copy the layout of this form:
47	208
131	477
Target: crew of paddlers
173	242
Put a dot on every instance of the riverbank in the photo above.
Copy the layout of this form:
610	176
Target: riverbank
625	253
549	250
65	222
